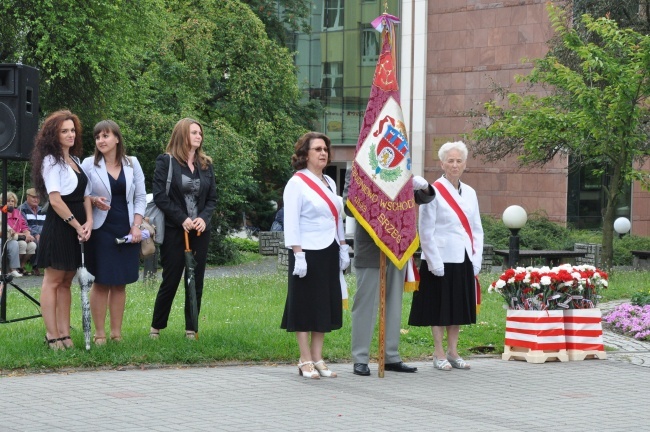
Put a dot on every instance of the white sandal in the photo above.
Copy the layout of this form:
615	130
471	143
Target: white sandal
458	363
310	372
323	370
441	364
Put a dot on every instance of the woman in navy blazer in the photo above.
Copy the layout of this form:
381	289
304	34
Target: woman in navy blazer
188	207
314	232
450	259
119	200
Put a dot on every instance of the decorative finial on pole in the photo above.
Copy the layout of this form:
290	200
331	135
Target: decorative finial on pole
385	6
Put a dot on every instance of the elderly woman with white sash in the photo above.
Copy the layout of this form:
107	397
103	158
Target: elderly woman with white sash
452	251
313	230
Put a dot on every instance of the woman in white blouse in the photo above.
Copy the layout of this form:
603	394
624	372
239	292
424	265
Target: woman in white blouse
57	172
451	235
313	229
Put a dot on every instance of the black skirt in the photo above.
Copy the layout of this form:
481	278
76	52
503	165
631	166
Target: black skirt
447	300
314	303
59	246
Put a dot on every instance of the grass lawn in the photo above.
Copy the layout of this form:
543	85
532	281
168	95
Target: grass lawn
239	323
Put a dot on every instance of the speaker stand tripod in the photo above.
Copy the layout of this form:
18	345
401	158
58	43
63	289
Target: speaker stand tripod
5	277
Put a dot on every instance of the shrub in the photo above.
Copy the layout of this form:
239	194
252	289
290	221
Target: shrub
641	298
541	233
538	233
624	246
221	249
495	232
244	245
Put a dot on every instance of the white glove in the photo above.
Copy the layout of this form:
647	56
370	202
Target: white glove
476	270
419	183
300	266
344	256
437	271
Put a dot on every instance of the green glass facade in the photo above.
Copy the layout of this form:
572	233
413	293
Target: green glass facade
336	62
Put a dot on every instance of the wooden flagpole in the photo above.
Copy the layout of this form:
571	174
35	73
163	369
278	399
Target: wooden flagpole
382	313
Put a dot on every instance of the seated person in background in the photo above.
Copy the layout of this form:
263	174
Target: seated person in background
35	217
17	232
278	222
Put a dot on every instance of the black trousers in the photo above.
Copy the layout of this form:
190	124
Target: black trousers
172	258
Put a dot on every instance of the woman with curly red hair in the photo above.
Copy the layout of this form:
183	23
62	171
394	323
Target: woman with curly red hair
57	173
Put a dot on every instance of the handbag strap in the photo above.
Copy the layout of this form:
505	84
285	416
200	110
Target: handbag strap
320	192
169	175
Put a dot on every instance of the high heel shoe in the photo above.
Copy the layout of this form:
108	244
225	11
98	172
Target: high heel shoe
323	370
53	344
68	345
310	372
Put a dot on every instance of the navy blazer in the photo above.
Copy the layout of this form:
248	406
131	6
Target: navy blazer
173	205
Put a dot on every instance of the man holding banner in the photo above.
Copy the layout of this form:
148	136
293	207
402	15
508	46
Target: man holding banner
366	298
380	197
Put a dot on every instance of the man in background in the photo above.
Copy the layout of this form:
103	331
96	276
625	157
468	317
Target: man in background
35	217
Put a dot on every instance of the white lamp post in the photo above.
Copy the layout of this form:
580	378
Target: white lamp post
622	226
514	217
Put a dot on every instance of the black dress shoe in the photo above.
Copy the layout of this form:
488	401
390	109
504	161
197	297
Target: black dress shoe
361	369
399	367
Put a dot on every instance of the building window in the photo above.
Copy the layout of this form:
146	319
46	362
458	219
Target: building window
586	199
369	46
333	14
332	80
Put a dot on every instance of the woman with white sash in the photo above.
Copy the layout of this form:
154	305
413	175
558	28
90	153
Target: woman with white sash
451	235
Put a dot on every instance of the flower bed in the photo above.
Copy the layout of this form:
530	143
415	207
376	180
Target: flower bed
630	320
562	287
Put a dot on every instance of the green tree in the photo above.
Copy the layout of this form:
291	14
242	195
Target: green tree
146	64
215	62
85	52
596	112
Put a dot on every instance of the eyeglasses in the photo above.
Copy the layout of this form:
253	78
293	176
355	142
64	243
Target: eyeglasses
320	149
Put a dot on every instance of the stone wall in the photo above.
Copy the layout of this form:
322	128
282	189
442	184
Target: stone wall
593	251
271	242
283	260
488	258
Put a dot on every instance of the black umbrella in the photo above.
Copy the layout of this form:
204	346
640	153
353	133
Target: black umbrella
85	282
190	266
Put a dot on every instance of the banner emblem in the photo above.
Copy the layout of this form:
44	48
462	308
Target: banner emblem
385	155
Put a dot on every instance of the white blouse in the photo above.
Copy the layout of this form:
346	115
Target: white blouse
60	177
308	220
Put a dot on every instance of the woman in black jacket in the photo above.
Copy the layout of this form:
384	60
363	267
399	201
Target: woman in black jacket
188	208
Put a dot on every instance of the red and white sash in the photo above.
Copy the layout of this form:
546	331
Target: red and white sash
320	192
442	190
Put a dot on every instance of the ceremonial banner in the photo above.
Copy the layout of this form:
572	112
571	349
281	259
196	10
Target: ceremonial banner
380	194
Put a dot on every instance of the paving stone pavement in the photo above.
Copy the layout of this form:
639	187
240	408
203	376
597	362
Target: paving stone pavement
495	395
